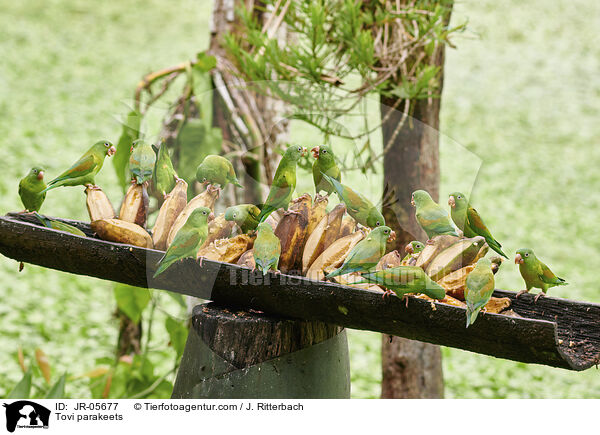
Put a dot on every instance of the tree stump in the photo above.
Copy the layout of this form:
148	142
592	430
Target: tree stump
236	354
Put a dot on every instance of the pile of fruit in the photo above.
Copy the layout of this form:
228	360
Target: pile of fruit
294	235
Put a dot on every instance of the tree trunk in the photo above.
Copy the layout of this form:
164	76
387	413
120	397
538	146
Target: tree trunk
411	369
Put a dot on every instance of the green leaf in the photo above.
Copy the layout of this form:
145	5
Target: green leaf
57	391
132	300
178	333
203	90
129	134
205	62
23	387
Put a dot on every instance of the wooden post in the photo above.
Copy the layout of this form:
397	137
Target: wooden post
237	354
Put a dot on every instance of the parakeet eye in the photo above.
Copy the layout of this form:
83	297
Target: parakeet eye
300	149
324	151
378	223
234	215
527	255
106	144
203	212
459	197
204	179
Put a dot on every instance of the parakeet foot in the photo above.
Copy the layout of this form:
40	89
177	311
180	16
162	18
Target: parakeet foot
289	212
21	266
92	187
200	263
539	295
386	293
405	297
520	293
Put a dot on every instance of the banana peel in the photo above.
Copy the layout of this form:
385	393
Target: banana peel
334	255
391	259
227	250
205	199
317	212
349	279
348	226
247	260
292	231
135	205
168	213
322	236
116	230
496	305
431	250
454	283
98	205
455	257
218	228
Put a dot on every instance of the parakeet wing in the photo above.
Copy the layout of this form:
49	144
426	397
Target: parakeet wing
477	224
81	168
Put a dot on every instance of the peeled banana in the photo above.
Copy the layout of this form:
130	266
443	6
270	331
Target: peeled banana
168	213
292	230
227	250
205	199
135	205
116	230
98	205
334	255
323	235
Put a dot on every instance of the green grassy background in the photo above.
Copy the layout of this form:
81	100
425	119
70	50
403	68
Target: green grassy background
520	104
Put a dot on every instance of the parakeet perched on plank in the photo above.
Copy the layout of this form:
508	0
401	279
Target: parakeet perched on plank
284	182
470	223
413	249
164	176
403	280
359	207
187	241
535	273
60	226
83	172
367	253
479	287
431	216
324	164
216	170
141	162
31	189
244	215
267	248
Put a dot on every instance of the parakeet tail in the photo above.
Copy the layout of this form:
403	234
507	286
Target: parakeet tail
471	315
162	266
265	212
496	247
237	183
335	183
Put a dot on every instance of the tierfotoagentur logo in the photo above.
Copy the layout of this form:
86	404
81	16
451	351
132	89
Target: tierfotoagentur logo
25	414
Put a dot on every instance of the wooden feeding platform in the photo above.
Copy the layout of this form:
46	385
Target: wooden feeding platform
553	332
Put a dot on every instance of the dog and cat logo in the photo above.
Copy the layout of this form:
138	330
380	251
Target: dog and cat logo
25	414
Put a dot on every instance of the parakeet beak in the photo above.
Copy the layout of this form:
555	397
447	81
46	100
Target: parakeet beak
211	217
451	201
304	151
392	236
412	202
518	259
40	175
409	249
315	152
111	151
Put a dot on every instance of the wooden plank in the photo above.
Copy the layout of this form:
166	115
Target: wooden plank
554	332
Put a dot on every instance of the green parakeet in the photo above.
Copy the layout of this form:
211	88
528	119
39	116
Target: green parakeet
413	249
431	217
141	162
403	280
245	215
32	189
83	172
216	170
535	273
479	287
324	164
164	176
187	241
367	253
284	182
468	220
267	248
60	226
359	207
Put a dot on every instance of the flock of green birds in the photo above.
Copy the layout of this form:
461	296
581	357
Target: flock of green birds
148	164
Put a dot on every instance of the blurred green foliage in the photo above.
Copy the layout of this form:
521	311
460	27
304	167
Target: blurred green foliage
521	97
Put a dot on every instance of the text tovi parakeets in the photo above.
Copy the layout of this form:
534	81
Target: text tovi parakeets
367	253
479	287
83	172
324	164
431	216
468	220
216	170
31	189
244	215
188	239
284	182
359	207
141	162
267	248
403	280
535	273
